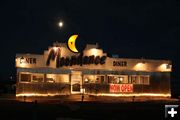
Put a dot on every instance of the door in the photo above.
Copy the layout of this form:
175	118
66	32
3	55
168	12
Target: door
76	82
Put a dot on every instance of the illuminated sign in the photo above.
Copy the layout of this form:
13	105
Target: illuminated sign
120	63
71	43
27	60
115	88
74	60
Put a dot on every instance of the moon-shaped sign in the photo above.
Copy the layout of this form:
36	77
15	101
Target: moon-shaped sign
71	43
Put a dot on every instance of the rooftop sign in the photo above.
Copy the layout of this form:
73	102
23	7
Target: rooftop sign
73	60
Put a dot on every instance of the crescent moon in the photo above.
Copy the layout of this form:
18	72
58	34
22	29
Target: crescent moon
71	43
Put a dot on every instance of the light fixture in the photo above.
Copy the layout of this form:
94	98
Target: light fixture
86	80
121	79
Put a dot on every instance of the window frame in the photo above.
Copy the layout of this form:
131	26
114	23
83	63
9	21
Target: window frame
125	76
145	76
27	73
94	75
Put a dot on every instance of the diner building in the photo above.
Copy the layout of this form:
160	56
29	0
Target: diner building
58	71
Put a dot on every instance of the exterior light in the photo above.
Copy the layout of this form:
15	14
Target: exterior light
140	66
121	79
94	51
37	94
164	67
55	49
86	80
22	60
134	94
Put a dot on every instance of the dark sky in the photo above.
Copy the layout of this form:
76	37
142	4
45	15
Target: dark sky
148	29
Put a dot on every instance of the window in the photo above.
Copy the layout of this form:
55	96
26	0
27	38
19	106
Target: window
63	78
100	79
144	79
50	78
93	79
139	79
134	79
118	79
89	78
37	77
54	78
123	79
25	77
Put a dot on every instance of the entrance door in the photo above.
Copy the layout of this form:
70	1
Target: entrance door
76	82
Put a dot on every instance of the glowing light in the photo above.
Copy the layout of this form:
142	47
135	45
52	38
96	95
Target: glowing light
38	94
121	79
61	24
121	88
82	90
23	63
51	81
140	66
55	49
95	52
86	80
164	67
131	95
100	94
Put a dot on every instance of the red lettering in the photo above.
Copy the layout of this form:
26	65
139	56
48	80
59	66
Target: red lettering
114	88
121	87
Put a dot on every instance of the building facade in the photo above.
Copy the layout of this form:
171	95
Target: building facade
61	72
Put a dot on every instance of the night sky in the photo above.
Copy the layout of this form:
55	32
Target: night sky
129	28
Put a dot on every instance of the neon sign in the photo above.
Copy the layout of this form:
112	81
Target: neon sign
124	88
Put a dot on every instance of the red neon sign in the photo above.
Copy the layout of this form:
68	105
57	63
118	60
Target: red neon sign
121	88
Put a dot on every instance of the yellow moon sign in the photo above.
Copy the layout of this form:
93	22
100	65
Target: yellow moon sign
71	43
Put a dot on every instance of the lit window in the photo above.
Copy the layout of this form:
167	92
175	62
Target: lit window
93	79
139	79
57	78
25	77
50	80
135	79
117	79
144	79
37	78
63	78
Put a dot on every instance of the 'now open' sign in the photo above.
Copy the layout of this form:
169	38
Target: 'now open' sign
124	88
